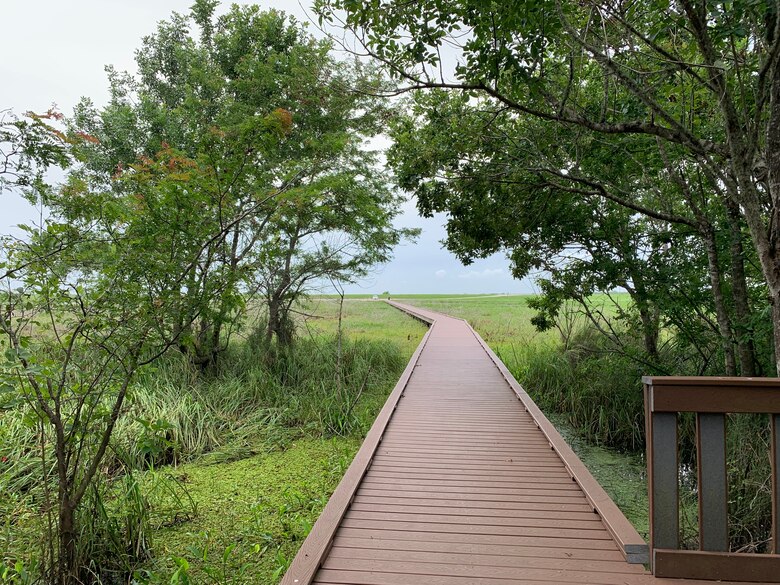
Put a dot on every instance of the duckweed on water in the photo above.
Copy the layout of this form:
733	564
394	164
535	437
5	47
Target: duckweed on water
253	514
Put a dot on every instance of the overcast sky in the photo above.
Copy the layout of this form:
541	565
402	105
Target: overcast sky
55	53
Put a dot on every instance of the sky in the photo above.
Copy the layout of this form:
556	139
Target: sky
55	53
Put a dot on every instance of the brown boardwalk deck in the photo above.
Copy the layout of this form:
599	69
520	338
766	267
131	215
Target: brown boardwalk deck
457	484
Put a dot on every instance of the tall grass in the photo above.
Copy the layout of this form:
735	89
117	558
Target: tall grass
598	392
257	399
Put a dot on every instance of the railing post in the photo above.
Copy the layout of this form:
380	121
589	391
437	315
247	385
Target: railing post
713	499
775	422
663	480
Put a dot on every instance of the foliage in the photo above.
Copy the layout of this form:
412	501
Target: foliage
250	139
222	426
28	146
607	144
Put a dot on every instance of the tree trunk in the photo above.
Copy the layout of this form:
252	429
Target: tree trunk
724	321
646	314
770	261
67	570
650	331
273	319
739	290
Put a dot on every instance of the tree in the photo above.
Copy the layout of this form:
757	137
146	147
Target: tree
274	128
341	228
697	83
84	308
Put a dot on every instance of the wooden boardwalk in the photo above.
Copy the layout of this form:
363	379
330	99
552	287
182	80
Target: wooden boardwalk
462	481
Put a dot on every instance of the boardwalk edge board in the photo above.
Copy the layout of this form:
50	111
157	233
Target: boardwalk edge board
631	544
317	544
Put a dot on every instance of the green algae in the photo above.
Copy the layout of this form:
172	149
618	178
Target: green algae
252	514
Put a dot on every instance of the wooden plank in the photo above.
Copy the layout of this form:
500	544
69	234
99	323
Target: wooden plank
518	541
444	447
468	472
693	564
591	523
454	438
504	550
337	577
713	491
626	536
486	482
519	465
441	502
474	529
476	487
499	512
475	571
514	465
490	559
488	458
510	497
313	550
710	381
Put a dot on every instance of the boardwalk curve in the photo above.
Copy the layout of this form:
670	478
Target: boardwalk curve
463	481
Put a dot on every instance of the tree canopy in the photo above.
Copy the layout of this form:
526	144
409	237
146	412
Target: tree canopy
251	138
643	136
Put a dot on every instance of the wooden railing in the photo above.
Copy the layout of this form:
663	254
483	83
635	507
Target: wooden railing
710	399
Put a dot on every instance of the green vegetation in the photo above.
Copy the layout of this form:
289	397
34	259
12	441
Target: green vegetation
218	475
157	315
253	514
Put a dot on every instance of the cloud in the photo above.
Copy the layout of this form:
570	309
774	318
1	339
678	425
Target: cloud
441	273
486	273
